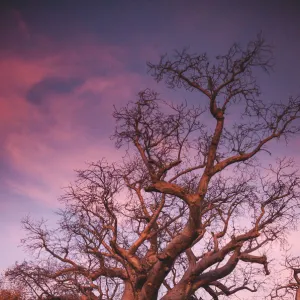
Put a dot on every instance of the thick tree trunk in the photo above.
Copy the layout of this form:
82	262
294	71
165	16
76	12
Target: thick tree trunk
180	292
128	292
298	294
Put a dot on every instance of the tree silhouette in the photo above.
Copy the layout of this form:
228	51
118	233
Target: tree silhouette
290	286
190	210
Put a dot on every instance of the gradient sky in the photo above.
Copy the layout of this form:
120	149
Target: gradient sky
64	64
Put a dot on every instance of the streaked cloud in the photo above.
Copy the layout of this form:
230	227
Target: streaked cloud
51	86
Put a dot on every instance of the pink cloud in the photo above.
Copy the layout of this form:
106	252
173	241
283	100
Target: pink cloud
44	143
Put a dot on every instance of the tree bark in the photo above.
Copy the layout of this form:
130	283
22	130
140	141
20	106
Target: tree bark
128	292
180	292
298	294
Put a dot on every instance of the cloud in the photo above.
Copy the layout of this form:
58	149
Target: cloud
21	24
51	86
56	99
56	113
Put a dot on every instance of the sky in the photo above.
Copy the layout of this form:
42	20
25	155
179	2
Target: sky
65	64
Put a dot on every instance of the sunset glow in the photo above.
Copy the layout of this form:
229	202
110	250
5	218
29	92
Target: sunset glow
66	64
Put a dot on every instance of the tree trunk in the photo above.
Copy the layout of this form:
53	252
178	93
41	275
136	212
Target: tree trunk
128	292
179	292
298	294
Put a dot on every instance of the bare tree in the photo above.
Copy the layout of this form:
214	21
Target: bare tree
10	295
190	211
290	288
10	292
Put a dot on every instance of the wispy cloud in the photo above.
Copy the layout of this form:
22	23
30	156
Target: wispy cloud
21	24
56	114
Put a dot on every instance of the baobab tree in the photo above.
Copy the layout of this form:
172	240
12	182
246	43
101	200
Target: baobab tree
191	209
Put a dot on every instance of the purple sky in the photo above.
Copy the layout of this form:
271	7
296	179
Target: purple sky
64	64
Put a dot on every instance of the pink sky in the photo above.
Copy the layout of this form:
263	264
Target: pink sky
64	66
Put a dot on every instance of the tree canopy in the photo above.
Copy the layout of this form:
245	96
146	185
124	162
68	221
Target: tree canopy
191	209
